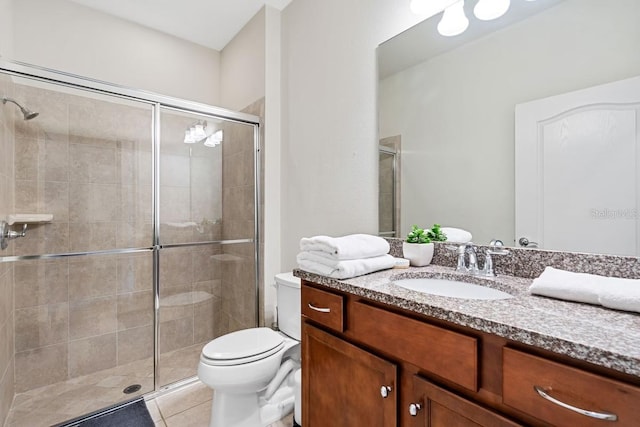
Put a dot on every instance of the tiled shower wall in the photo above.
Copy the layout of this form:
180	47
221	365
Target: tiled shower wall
7	115
238	272
88	162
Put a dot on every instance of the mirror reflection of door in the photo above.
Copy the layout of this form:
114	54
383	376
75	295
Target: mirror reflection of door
577	154
389	187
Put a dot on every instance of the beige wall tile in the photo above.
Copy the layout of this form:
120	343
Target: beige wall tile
56	159
92	354
6	345
176	334
93	164
94	277
41	282
90	203
41	326
96	316
135	344
55	238
205	314
6	391
27	158
176	267
135	309
39	367
56	200
92	236
6	291
135	273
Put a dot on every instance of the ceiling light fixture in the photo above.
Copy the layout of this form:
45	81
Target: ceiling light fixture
487	10
453	21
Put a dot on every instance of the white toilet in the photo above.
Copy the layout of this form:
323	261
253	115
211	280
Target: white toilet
252	371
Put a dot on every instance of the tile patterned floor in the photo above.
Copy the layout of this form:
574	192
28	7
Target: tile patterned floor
56	403
66	400
190	407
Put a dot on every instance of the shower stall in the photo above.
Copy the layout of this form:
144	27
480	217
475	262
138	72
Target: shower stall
141	240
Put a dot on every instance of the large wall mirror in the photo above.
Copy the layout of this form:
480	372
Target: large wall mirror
455	101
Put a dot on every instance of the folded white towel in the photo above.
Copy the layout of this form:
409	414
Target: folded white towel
456	235
611	292
354	246
343	269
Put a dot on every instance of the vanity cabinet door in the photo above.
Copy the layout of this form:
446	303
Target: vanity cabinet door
436	407
343	385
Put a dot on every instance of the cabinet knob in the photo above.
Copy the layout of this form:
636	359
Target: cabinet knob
414	408
384	391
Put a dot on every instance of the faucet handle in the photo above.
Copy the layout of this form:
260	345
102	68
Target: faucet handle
496	248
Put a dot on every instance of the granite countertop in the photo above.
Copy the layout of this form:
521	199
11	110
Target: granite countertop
594	334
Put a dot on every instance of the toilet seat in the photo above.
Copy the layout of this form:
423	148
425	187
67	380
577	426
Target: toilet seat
240	347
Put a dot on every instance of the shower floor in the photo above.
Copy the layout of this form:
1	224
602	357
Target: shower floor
69	399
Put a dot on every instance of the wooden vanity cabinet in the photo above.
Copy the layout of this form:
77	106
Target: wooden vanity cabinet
368	364
345	386
437	407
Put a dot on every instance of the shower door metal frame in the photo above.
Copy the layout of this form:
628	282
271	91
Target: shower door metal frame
156	102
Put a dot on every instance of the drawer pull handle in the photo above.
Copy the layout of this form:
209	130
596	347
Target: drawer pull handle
414	408
320	309
384	391
598	415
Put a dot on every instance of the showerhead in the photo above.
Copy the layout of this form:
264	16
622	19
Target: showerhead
27	114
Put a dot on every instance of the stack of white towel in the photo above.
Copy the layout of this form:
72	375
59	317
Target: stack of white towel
611	292
344	257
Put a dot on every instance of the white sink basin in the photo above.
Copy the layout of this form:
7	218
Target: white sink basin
452	288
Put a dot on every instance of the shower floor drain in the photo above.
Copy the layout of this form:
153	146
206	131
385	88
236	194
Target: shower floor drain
132	389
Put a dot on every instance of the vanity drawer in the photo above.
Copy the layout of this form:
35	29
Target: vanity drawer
524	373
447	354
325	308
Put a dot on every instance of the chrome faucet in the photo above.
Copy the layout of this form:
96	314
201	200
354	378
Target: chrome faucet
472	265
495	248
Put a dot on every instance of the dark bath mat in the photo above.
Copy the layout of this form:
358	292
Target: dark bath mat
133	414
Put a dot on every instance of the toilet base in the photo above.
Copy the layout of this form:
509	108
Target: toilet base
251	410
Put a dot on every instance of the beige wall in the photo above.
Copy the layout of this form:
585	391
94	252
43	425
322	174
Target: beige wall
6	28
242	66
457	110
66	36
329	136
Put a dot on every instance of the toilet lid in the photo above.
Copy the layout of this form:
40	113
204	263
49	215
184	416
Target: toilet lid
243	344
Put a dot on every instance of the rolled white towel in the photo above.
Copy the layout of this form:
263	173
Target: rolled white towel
353	246
622	296
344	269
566	285
456	235
611	292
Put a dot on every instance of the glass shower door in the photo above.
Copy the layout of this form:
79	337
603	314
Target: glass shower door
207	236
82	282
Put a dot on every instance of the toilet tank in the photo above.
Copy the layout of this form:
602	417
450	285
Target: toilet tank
288	294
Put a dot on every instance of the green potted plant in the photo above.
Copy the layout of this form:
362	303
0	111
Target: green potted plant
418	246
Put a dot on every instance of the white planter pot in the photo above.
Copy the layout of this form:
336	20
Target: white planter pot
418	254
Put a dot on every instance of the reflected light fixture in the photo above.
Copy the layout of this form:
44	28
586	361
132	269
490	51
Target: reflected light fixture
188	139
453	21
486	10
196	133
214	139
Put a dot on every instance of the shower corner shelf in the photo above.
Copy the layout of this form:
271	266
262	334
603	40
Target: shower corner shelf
29	218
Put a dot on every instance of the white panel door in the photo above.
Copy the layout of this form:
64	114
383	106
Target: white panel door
577	156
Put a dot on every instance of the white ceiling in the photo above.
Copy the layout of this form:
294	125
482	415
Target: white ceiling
210	23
